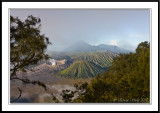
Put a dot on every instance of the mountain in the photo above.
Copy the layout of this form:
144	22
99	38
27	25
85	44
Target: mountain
89	64
81	46
88	60
102	58
81	69
112	48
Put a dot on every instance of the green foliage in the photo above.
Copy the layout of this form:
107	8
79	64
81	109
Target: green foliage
126	80
27	44
27	47
142	47
67	95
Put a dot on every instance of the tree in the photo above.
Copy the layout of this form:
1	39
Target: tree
143	46
80	90
27	46
126	80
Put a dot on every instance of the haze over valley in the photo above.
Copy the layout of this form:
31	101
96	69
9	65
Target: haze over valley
76	56
80	62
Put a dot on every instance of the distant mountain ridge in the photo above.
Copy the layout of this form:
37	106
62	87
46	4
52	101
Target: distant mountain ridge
88	60
81	46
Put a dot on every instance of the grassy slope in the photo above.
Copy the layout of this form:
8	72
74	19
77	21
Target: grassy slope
103	59
81	69
97	63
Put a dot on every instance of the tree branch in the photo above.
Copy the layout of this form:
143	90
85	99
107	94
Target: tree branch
18	96
27	81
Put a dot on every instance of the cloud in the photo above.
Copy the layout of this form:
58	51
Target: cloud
125	44
113	42
137	36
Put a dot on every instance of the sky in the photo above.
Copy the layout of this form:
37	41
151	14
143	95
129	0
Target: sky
125	28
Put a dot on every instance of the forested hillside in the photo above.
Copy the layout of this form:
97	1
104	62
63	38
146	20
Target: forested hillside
126	80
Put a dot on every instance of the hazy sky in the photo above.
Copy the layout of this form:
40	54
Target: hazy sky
124	28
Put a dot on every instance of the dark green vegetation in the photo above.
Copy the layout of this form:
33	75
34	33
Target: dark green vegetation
27	47
126	80
88	65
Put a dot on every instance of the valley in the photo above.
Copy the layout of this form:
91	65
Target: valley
59	55
62	71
